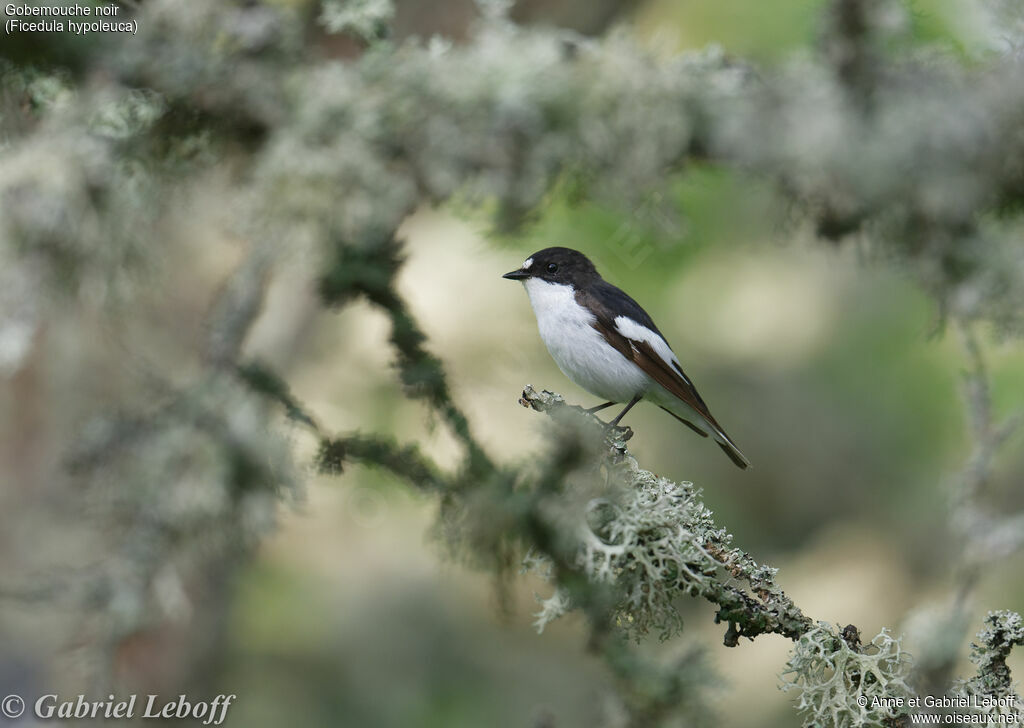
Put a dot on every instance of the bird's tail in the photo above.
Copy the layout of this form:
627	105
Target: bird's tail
730	449
703	427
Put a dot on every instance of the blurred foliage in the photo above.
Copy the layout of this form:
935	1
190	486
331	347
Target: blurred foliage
180	209
782	26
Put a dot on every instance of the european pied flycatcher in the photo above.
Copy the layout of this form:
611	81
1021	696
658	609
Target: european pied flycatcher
607	344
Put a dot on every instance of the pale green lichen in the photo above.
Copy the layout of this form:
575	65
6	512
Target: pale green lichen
843	685
551	608
645	544
652	540
133	112
991	692
367	19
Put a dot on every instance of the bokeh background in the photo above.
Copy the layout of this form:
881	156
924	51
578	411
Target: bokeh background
830	369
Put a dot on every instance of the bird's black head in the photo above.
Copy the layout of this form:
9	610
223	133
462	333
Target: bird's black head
556	265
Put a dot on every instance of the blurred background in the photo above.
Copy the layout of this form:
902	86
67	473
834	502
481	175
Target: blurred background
830	371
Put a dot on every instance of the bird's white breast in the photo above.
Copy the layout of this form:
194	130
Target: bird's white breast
578	349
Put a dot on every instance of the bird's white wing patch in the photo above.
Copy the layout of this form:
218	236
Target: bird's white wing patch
527	263
638	332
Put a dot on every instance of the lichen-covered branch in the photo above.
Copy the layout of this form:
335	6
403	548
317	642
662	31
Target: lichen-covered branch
991	692
658	540
984	534
368	268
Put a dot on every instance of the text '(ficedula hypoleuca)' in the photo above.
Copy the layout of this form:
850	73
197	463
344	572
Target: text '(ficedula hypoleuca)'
607	344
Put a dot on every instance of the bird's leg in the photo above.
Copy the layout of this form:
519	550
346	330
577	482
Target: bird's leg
614	422
599	407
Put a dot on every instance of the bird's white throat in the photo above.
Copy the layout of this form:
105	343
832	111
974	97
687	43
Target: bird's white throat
555	302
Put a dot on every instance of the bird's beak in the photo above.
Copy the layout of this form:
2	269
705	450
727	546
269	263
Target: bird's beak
517	275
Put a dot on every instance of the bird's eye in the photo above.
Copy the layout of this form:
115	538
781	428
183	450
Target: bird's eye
552	267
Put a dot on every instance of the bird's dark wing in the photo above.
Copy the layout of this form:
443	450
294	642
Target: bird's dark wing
608	302
639	340
606	298
668	374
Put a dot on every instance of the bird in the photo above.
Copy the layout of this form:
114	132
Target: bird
606	343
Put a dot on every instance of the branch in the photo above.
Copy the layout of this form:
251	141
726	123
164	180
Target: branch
621	544
985	536
368	268
991	692
236	308
671	525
